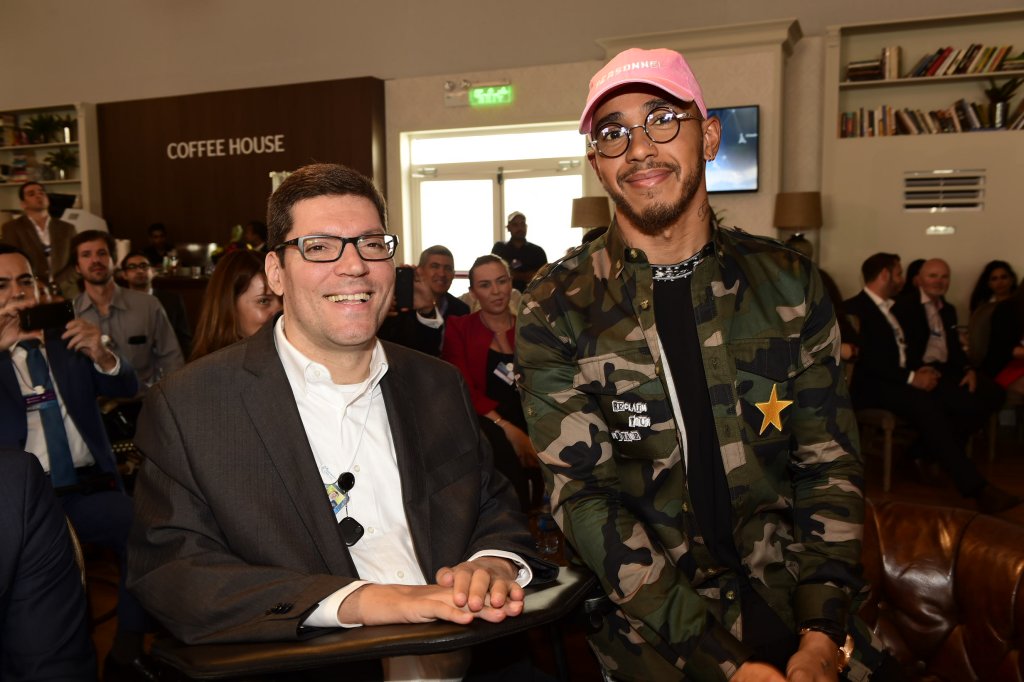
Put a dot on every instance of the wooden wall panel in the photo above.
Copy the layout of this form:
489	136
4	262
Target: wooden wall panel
202	196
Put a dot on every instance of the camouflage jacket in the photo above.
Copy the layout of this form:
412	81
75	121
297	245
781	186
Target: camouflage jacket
598	408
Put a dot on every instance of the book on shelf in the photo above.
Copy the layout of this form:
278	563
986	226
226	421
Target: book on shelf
885	66
1013	63
940	59
891	58
960	116
976	58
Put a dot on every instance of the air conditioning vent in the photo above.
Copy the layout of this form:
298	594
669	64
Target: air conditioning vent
940	191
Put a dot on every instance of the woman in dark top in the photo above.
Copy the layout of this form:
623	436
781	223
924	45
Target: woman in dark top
1005	357
997	282
481	346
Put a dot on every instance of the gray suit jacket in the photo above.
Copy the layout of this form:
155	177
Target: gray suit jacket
234	538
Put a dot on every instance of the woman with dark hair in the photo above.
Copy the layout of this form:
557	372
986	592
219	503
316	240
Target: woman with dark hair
909	285
1004	359
481	346
997	282
236	304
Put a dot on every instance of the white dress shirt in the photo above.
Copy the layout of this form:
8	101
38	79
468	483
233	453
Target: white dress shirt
885	305
936	349
35	441
348	431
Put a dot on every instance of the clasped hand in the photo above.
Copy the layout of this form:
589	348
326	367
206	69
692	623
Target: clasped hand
484	588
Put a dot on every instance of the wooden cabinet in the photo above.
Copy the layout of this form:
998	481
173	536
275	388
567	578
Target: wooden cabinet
54	145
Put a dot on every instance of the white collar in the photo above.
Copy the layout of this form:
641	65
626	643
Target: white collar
305	373
883	303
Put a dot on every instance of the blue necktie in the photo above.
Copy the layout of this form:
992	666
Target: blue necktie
62	467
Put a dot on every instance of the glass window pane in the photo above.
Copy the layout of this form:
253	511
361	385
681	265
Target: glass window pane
504	147
547	204
457	214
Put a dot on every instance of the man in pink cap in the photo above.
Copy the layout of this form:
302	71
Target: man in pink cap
681	382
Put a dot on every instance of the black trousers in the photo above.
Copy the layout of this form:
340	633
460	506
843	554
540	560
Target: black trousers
945	418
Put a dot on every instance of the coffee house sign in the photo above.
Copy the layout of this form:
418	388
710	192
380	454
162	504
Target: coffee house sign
234	146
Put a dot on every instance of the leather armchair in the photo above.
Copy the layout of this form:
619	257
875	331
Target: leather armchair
945	590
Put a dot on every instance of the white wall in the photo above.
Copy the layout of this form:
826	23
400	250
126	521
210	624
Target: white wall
108	50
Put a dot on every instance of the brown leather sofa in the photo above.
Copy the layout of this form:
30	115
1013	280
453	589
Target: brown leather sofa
945	590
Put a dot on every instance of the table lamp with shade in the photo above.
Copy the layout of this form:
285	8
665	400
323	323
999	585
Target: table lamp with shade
798	213
591	212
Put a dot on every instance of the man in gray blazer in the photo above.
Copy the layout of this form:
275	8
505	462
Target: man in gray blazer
44	239
294	481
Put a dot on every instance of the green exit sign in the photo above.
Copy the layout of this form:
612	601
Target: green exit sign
490	96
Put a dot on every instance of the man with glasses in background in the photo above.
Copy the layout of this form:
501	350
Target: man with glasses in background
293	482
137	275
682	386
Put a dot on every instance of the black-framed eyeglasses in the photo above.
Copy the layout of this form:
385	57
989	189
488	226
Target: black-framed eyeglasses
662	125
326	248
135	266
351	530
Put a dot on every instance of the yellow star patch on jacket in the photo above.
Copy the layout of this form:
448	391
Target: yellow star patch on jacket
772	411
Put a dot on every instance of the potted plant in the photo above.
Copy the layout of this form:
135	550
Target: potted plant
63	161
1000	96
43	128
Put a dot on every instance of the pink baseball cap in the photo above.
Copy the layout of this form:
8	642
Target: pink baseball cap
664	69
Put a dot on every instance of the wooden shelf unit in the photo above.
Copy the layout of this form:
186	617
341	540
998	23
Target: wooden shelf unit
84	180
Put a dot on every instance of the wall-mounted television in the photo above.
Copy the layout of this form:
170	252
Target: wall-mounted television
735	167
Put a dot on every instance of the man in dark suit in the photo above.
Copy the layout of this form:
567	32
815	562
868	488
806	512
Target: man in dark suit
293	482
422	328
882	377
44	239
930	326
44	632
49	382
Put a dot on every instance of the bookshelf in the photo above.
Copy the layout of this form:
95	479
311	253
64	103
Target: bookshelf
923	94
24	153
864	179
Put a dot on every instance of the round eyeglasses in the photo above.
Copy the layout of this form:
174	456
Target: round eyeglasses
325	248
662	125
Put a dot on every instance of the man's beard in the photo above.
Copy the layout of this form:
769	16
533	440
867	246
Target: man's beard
655	218
96	277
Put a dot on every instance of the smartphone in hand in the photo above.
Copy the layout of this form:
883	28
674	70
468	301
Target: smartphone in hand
47	316
404	278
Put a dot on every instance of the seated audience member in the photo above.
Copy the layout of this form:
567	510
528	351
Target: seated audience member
236	304
910	279
882	378
158	246
137	275
423	327
481	345
44	239
996	283
931	333
293	482
50	381
44	632
254	234
1004	359
134	323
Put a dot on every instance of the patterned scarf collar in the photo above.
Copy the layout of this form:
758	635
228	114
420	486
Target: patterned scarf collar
682	269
